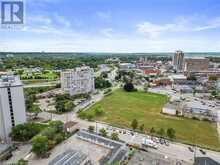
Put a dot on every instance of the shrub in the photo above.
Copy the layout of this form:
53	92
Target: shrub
129	87
40	145
103	132
91	128
134	124
24	132
114	136
59	138
171	133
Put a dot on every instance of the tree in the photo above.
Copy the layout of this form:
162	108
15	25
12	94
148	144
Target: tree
129	87
134	124
103	132
58	125
146	87
114	136
89	116
161	132
99	111
49	132
142	127
40	145
192	78
214	93
68	106
82	115
21	162
171	133
91	128
24	132
101	83
59	137
152	130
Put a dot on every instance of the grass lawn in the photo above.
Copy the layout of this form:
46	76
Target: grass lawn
121	107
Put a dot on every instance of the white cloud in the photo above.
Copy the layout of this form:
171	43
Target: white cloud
105	15
39	19
107	32
152	30
181	24
63	21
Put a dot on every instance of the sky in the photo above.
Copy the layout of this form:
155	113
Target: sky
116	26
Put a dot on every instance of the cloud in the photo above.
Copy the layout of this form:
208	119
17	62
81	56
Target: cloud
181	24
107	32
152	30
104	15
63	21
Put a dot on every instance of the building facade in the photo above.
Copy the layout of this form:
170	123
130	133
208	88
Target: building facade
178	61
196	64
12	105
78	81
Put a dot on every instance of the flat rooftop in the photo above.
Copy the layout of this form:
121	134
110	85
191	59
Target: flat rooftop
177	76
3	147
10	80
70	157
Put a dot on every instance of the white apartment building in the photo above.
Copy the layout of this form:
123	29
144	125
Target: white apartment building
178	61
78	81
12	105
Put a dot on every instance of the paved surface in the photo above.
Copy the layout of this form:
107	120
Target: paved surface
93	151
18	154
44	84
150	158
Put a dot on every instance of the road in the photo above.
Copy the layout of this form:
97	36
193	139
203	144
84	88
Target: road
44	84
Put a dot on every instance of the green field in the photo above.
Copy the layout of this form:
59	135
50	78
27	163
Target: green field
120	108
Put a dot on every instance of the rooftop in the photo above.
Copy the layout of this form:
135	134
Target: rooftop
70	157
177	76
118	149
10	80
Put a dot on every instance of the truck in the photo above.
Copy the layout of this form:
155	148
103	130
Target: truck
148	143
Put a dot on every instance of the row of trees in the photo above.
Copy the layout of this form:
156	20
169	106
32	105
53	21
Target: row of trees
170	132
103	132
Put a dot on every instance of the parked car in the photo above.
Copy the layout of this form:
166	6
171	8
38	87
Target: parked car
190	149
167	143
202	151
157	140
162	141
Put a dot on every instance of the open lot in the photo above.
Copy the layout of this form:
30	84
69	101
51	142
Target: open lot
120	108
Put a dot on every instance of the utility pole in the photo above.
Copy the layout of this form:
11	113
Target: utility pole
96	127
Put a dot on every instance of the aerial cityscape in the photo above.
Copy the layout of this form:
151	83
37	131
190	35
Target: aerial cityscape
92	82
